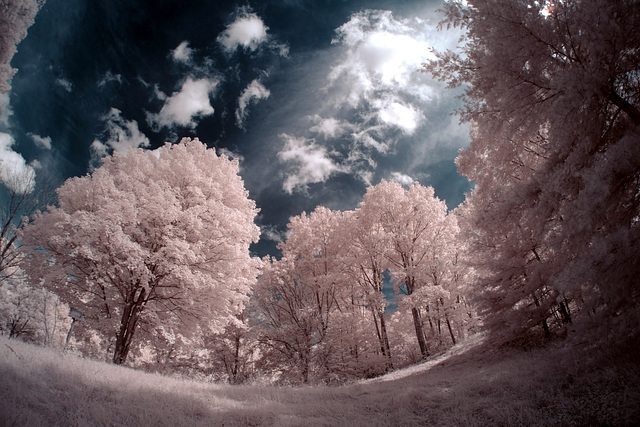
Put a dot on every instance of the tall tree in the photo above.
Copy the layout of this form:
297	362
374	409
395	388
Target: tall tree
159	238
552	93
366	262
416	234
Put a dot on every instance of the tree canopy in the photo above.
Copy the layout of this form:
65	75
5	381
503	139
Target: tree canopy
552	93
152	241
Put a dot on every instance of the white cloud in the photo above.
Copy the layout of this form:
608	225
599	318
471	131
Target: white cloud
183	53
42	142
382	53
402	178
254	92
312	162
247	31
183	107
15	173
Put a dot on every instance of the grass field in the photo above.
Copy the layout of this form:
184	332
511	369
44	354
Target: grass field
472	384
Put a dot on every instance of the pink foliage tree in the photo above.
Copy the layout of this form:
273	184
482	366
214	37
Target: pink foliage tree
553	98
417	234
153	242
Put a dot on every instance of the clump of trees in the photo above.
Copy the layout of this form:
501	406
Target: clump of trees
320	309
552	93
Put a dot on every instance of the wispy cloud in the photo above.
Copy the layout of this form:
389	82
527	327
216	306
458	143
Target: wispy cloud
184	107
253	93
270	232
330	127
109	78
41	142
402	178
183	53
310	163
372	96
119	135
65	84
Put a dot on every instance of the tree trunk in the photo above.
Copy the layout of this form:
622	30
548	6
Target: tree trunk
545	325
453	338
128	323
566	317
417	323
236	360
385	341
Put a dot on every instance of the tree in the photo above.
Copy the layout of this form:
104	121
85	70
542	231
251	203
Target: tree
31	313
416	234
552	93
151	241
298	295
366	263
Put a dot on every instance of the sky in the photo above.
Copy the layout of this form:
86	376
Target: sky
317	99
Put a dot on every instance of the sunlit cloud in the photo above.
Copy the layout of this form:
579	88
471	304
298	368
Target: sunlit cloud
382	53
392	112
184	107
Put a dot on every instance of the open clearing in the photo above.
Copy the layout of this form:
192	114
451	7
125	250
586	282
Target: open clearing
472	384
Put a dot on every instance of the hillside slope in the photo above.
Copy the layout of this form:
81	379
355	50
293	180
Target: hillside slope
470	385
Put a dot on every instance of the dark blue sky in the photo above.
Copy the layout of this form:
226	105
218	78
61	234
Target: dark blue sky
318	99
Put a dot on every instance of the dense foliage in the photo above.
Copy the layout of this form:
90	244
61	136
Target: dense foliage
153	242
552	93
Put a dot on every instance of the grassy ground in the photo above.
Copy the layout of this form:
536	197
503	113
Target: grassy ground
559	384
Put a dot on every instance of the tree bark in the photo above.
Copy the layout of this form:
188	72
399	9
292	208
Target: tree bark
128	323
453	338
417	323
385	341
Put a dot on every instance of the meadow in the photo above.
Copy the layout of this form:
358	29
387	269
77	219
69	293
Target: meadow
473	384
